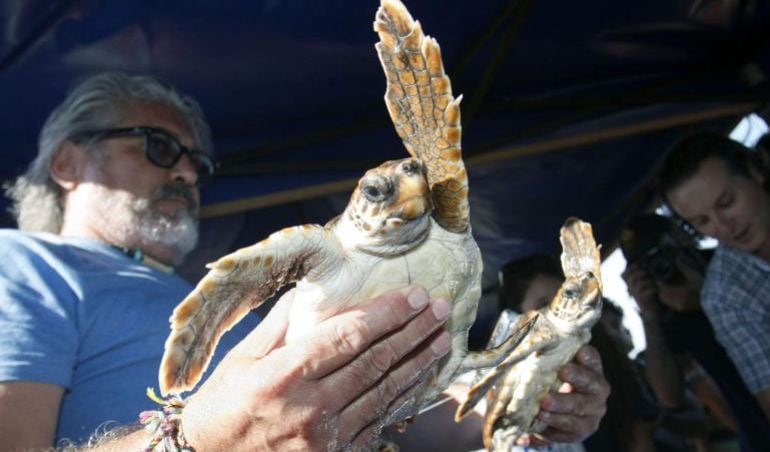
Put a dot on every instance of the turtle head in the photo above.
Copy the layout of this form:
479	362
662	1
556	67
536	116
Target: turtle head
578	304
391	205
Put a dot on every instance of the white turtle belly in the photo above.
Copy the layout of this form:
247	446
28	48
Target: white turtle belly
447	265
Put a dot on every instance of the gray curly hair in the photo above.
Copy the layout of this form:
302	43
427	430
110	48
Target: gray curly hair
98	102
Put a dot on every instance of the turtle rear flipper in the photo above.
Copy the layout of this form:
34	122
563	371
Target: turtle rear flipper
235	284
424	111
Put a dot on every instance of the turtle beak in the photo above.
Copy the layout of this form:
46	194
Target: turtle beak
413	198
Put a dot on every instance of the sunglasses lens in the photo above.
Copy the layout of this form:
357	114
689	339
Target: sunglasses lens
204	164
162	150
165	152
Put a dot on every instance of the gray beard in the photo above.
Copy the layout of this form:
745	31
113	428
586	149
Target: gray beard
179	233
128	220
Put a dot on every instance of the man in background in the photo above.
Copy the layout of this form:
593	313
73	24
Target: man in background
713	186
664	273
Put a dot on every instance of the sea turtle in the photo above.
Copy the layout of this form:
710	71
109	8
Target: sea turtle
520	382
407	222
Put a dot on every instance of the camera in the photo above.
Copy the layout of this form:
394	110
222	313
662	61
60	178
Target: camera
660	263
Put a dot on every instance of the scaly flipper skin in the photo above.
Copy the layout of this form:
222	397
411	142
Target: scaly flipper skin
484	359
235	284
424	112
519	383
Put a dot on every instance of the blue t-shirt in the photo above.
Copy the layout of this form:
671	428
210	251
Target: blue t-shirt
80	314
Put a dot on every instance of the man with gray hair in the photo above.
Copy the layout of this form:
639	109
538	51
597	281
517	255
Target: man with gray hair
106	210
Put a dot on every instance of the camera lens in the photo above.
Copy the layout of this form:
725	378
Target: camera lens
661	268
660	263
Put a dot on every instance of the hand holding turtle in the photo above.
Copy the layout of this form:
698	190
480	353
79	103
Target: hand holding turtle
328	391
574	413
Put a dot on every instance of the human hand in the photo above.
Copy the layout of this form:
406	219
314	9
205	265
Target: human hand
329	391
574	412
643	289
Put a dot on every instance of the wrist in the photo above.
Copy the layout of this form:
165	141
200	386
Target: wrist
165	425
194	423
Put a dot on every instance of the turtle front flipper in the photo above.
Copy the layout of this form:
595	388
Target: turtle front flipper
532	344
580	253
424	112
235	284
491	357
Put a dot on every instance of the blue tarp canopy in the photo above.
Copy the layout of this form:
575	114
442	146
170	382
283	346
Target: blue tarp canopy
568	106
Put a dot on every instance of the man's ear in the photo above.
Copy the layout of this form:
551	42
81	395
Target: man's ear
67	165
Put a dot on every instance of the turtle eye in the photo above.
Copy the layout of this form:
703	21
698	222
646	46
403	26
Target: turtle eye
376	188
570	292
372	192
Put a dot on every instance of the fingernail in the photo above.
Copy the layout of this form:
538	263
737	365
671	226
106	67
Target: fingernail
441	344
417	298
441	309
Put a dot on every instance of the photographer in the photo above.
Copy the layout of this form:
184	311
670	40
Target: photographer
665	275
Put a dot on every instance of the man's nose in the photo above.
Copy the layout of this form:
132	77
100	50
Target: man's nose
185	171
724	224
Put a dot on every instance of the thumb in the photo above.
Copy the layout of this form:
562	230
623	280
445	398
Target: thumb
588	356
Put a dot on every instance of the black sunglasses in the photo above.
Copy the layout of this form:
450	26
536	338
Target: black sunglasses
161	148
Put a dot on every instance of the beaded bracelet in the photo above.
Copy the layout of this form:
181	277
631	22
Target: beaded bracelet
165	425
